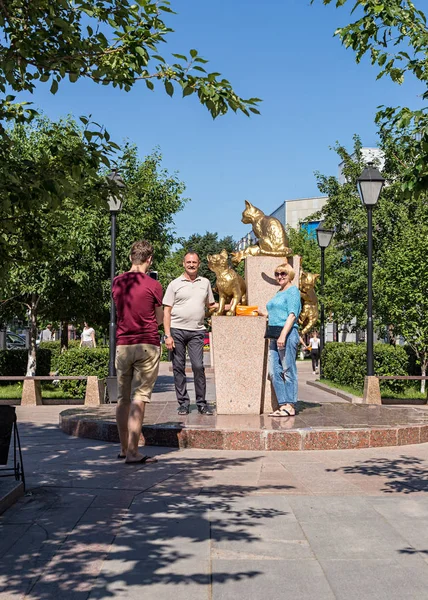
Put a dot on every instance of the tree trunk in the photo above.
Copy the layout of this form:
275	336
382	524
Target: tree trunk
32	358
64	336
423	373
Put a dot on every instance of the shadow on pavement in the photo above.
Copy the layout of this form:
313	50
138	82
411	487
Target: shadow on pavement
94	528
405	474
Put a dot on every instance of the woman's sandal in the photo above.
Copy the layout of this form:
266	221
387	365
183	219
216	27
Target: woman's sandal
282	412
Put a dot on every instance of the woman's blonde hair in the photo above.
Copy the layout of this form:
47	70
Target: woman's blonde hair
286	267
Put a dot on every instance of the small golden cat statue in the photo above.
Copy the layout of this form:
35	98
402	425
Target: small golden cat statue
309	315
230	286
270	233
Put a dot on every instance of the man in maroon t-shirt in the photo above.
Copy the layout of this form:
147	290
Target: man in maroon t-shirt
138	300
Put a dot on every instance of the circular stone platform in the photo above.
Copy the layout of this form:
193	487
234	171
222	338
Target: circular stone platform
316	427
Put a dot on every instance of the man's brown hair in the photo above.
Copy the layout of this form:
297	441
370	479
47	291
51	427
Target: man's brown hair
140	252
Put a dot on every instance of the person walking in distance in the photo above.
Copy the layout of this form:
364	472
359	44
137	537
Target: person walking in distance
314	344
46	334
138	300
185	302
87	339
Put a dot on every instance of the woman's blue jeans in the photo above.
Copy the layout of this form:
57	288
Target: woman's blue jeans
283	368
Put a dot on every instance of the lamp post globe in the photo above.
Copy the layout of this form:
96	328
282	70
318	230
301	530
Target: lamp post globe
114	200
324	237
370	184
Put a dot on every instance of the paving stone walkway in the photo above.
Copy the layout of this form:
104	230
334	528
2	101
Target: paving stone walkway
213	525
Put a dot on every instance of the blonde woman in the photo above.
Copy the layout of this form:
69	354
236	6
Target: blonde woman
283	312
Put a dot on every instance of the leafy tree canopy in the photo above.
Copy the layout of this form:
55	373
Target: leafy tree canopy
400	239
60	259
108	41
394	35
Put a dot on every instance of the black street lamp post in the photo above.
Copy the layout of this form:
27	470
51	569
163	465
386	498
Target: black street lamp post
324	237
115	206
370	184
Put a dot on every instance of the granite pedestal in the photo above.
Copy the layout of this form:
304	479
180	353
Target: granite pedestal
240	351
240	377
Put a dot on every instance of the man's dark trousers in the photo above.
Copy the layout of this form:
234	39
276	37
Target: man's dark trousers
194	342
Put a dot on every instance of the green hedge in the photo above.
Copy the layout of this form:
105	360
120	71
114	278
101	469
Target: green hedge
81	361
346	363
76	361
14	362
55	350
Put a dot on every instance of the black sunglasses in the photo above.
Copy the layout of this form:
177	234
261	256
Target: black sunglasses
281	274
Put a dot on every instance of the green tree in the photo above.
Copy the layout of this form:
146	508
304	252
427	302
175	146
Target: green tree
399	250
152	198
61	257
110	42
205	244
394	35
305	245
401	282
44	164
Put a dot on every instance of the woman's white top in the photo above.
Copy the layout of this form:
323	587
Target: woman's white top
87	334
315	343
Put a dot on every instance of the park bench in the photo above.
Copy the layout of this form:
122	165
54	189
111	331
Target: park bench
371	393
32	389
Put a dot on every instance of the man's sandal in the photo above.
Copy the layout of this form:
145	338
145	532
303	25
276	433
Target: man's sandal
144	460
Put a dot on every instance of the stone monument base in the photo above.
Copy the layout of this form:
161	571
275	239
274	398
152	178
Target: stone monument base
241	368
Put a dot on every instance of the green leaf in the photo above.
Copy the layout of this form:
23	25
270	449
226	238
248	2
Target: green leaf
169	88
188	90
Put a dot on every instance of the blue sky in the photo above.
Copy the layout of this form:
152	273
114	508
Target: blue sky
282	51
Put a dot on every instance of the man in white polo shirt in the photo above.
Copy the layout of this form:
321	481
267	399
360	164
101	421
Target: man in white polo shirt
185	302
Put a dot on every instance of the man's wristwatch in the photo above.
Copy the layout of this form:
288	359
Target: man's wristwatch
166	336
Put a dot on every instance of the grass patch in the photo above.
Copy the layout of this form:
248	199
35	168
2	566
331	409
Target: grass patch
13	391
344	388
409	393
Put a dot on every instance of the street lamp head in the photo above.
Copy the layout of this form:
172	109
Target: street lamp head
117	188
324	235
370	184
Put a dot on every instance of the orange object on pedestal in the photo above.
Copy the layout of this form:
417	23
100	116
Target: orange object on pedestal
247	311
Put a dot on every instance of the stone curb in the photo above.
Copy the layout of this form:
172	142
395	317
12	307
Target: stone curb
261	440
339	393
11	496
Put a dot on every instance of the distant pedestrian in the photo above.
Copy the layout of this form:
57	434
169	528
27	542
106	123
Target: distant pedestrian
314	344
185	302
138	300
46	334
87	339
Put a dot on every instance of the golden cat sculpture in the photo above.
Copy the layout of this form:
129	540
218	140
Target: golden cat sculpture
230	286
309	316
270	233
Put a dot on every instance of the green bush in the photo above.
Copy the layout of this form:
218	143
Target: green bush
82	361
55	349
346	363
14	362
164	353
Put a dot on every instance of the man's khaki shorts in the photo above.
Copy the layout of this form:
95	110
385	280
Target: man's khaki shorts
137	369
